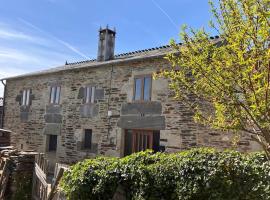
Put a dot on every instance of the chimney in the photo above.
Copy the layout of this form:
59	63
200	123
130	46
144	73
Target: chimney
106	44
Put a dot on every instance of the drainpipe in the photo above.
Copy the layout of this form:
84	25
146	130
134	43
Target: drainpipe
4	98
108	104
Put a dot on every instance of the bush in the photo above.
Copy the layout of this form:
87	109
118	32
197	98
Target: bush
196	174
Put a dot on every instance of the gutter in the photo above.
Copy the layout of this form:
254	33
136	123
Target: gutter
4	99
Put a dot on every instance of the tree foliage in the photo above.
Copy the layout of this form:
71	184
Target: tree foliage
204	174
230	75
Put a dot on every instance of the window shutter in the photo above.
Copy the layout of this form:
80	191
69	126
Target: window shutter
32	97
19	98
81	94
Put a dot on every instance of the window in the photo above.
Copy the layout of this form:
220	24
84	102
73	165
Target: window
89	95
141	140
25	100
87	139
55	95
52	143
142	88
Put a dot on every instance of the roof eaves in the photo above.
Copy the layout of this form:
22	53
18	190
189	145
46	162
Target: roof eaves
81	65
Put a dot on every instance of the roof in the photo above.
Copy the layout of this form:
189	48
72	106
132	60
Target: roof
119	58
156	52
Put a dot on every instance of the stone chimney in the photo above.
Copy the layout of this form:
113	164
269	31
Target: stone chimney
106	44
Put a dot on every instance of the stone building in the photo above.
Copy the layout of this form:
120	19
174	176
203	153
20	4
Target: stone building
107	106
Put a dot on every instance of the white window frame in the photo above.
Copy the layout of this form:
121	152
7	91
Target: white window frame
26	97
55	94
90	94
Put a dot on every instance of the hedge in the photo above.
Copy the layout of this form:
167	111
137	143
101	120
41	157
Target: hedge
196	174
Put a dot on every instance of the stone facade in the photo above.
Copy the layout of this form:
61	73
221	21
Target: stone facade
115	83
56	111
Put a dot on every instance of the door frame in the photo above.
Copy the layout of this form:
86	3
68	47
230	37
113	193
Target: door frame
125	134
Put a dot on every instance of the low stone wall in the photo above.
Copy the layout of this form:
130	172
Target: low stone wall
20	167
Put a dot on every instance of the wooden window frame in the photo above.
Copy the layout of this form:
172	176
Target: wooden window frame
54	95
142	77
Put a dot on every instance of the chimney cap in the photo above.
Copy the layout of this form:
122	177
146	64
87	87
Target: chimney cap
107	29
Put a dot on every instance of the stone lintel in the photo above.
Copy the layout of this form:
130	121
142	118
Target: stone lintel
138	122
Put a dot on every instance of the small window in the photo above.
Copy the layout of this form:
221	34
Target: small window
52	143
88	139
89	95
142	88
55	95
25	101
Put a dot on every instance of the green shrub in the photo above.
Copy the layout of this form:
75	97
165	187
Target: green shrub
196	174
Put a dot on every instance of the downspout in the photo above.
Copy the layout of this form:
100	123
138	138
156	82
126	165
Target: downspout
4	100
109	102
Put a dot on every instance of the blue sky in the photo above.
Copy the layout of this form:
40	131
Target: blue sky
40	34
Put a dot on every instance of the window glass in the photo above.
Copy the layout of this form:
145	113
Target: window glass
27	101
90	95
88	139
147	89
52	142
25	98
52	94
138	88
55	94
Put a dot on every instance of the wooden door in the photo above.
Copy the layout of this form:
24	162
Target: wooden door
138	140
142	140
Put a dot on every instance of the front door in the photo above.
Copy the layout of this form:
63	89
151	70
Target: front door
140	140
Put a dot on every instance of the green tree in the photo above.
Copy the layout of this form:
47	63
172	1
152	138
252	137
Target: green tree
226	81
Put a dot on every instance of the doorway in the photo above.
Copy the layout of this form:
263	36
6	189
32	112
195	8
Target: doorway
140	140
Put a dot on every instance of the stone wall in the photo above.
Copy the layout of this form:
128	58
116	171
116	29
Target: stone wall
20	167
114	84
